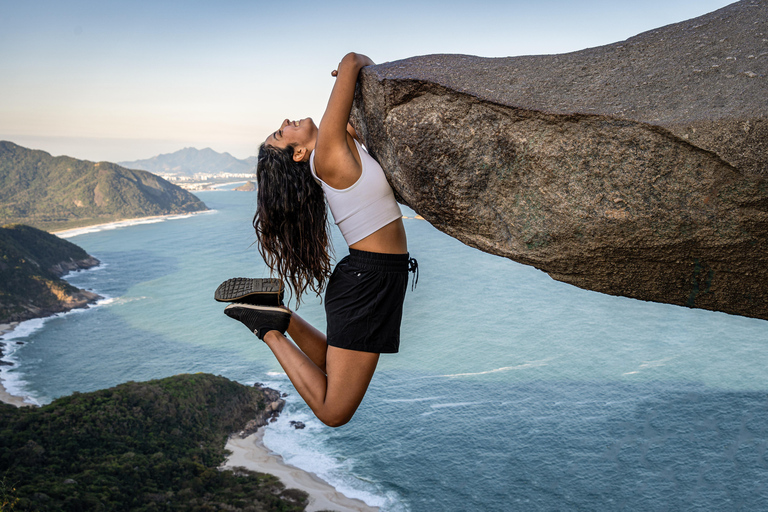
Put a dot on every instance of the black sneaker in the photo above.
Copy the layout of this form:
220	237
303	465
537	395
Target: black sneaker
259	292
260	319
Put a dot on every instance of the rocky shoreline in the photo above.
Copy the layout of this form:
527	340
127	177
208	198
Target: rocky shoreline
32	264
66	301
248	451
273	405
32	268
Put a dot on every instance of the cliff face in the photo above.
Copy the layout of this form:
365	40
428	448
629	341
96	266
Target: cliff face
31	263
636	169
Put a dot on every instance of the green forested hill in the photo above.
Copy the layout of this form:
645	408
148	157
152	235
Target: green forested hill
31	262
60	192
153	445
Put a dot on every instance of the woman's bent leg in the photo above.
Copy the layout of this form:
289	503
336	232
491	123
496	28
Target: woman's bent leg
309	339
333	396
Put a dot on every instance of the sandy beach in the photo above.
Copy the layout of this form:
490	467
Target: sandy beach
11	399
6	397
115	224
251	453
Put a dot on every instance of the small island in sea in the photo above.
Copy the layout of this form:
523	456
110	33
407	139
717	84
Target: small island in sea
249	186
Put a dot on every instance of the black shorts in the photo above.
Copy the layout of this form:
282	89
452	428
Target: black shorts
364	301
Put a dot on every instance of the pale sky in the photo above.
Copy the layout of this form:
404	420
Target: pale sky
109	80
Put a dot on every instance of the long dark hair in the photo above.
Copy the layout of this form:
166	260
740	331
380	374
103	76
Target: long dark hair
291	221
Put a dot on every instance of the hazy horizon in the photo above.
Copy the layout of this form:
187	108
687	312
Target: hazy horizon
123	82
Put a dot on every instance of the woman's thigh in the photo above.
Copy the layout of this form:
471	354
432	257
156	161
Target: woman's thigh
349	372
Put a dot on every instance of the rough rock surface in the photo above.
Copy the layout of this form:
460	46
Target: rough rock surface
638	168
271	409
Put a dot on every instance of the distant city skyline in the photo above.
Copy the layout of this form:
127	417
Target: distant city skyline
122	81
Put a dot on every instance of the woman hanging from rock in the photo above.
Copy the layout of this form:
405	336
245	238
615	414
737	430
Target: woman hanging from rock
299	166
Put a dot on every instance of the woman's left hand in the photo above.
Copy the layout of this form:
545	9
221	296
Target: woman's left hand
359	59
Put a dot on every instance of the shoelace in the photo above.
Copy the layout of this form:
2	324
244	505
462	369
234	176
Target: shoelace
413	266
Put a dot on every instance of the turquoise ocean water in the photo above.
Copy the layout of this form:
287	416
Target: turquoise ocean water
511	391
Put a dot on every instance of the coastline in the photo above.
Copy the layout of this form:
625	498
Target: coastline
5	396
218	186
10	399
251	453
115	224
5	328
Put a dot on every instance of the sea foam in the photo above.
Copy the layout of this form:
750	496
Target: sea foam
307	450
13	376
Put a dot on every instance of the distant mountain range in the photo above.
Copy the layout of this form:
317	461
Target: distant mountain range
190	161
61	192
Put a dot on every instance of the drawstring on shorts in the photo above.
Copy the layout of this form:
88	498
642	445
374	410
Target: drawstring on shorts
413	266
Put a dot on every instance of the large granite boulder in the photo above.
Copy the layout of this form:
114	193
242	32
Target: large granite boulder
638	168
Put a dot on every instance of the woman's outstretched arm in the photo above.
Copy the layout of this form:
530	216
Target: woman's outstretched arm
334	160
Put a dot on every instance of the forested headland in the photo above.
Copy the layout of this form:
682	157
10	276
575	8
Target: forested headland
54	193
145	446
31	265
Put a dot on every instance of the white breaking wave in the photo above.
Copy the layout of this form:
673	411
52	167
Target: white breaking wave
74	273
13	381
456	404
24	329
305	449
524	366
425	399
650	364
13	377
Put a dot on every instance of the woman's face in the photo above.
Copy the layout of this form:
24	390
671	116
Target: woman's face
296	133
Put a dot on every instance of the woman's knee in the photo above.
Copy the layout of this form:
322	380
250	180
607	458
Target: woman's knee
335	418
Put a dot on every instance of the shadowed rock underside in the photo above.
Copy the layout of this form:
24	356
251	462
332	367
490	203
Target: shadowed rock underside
637	169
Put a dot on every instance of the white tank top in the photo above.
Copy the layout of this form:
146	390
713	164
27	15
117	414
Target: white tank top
364	207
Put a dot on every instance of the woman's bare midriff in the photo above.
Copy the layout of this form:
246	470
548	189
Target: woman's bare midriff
388	240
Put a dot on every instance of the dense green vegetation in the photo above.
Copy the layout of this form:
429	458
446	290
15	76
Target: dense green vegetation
139	446
31	262
59	192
